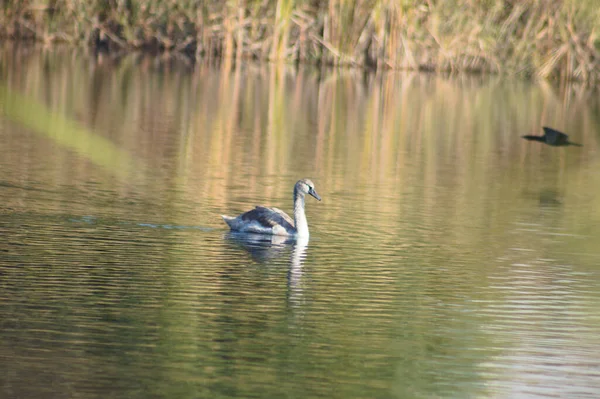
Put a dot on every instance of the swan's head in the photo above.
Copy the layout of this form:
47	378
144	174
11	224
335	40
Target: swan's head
305	186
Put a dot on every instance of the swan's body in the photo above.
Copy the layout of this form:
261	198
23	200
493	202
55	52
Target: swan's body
263	220
552	137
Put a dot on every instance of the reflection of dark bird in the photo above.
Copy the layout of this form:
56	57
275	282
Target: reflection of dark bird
549	198
552	137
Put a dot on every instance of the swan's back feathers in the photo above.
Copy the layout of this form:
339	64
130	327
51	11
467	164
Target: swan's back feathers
269	217
262	220
274	221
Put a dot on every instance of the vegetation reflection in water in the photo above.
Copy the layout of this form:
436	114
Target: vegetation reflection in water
449	257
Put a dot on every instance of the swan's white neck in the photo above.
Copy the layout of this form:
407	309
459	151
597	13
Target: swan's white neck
299	215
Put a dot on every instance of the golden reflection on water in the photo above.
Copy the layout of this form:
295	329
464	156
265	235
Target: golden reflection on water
203	129
391	151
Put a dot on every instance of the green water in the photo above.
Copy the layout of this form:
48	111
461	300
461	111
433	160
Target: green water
448	258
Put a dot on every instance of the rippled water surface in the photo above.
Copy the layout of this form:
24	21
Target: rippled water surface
448	258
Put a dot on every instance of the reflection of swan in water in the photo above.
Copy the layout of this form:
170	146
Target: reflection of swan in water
295	271
263	248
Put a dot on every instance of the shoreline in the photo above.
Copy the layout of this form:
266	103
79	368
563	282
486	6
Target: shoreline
534	39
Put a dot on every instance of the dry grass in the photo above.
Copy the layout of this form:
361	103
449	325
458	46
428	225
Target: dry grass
545	38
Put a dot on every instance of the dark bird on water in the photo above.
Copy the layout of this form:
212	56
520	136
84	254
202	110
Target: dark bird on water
552	137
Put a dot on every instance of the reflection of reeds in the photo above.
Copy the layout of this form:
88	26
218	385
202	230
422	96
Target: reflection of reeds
257	129
535	37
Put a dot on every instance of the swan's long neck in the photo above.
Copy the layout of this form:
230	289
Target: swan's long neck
299	215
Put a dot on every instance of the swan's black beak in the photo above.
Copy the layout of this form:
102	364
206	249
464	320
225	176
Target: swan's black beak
314	194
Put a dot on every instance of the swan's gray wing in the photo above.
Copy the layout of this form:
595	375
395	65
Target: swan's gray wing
269	217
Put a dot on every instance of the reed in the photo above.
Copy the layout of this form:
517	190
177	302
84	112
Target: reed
544	38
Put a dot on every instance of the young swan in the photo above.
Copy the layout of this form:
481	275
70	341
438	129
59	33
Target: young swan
265	220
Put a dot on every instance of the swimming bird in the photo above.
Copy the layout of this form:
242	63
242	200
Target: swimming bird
274	221
552	137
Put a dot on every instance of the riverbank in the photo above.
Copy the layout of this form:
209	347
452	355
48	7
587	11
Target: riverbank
534	38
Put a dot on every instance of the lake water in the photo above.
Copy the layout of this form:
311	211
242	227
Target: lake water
449	258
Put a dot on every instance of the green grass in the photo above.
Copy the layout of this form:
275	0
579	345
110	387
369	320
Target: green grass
544	38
